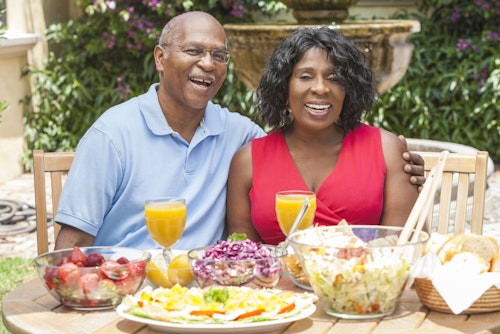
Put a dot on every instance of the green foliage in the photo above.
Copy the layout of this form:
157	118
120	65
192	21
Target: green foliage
451	91
105	57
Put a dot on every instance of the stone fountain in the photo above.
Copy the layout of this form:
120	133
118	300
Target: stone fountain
385	43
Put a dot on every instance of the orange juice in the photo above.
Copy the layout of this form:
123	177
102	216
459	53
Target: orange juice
288	204
165	221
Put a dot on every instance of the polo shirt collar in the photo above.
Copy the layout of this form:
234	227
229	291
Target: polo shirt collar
149	105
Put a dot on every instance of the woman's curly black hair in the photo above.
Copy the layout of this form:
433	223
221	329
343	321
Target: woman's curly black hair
350	69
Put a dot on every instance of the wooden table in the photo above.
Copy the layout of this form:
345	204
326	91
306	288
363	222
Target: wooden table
31	309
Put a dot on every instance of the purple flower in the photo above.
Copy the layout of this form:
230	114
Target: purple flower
463	44
238	11
455	16
493	35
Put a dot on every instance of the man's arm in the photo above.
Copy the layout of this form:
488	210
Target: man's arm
70	236
414	166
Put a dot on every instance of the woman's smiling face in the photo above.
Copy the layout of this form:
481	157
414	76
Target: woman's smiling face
315	97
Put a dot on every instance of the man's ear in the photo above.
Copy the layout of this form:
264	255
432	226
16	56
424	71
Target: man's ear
159	54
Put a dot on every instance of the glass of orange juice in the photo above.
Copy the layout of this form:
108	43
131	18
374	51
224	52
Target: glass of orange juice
166	220
288	204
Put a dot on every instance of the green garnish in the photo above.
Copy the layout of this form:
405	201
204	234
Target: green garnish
216	295
237	237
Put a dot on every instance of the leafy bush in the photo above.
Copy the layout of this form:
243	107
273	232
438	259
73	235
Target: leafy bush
451	91
104	57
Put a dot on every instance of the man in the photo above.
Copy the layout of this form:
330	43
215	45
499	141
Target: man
170	141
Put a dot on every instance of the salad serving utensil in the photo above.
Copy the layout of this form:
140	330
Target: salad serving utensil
417	217
298	219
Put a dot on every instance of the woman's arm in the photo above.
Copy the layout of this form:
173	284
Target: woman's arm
239	183
399	194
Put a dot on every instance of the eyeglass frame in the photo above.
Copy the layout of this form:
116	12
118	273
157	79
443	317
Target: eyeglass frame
196	48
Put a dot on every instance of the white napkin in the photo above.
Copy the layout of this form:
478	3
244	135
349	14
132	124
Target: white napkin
458	285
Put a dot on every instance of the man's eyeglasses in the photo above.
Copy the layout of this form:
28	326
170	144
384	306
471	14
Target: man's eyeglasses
197	52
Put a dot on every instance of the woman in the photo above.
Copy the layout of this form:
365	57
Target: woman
314	92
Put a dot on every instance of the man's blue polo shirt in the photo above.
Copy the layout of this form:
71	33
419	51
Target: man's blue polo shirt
130	154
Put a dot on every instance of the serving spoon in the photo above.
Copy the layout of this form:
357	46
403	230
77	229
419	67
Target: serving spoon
298	219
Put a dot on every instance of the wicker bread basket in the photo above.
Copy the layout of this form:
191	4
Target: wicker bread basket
488	302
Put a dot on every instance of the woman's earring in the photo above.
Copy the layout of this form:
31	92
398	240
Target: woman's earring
286	116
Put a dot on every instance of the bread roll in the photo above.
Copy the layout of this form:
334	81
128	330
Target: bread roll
436	242
450	248
471	262
495	263
479	245
484	247
494	242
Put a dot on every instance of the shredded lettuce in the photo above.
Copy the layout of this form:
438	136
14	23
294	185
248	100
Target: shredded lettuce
218	295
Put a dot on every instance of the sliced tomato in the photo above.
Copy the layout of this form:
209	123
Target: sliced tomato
253	313
208	313
288	308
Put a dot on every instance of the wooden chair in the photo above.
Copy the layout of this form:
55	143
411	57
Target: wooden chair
57	164
455	195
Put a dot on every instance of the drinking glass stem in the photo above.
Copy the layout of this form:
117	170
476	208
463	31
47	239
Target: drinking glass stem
167	254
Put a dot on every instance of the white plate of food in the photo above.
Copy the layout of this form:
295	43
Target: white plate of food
187	318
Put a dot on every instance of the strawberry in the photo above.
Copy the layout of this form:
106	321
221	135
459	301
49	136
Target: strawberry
137	269
113	270
68	273
78	257
122	260
107	288
64	260
126	286
94	259
89	283
50	277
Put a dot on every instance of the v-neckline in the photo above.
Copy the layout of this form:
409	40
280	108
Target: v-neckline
330	175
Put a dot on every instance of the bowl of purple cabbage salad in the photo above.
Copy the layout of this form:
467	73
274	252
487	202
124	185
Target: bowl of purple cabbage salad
237	261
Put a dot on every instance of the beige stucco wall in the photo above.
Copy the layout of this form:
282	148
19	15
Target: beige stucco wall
11	122
14	58
25	46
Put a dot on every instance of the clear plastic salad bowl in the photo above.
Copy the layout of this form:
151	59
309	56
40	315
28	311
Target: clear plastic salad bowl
232	265
358	272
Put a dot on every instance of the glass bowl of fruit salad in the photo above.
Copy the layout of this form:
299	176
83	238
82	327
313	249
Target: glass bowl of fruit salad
92	278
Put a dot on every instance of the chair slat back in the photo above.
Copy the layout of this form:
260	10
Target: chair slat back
57	164
459	203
